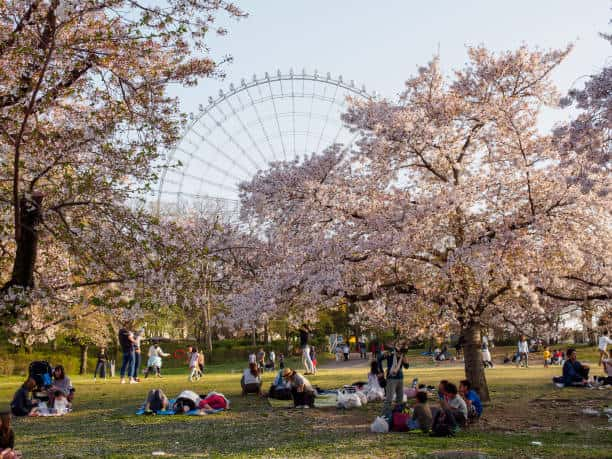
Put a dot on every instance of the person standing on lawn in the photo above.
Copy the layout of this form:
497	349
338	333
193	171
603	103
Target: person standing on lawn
523	352
396	361
604	340
127	342
101	363
304	338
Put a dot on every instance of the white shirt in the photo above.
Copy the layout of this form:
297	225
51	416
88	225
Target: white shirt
459	404
272	356
523	346
193	360
60	405
603	343
249	378
252	358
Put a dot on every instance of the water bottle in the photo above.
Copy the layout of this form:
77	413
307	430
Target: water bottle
415	382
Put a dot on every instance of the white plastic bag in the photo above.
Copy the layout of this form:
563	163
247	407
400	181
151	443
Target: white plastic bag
362	398
376	395
380	425
347	401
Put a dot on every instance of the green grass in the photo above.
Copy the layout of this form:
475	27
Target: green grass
525	408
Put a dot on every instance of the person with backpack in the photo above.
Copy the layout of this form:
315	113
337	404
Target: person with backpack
127	343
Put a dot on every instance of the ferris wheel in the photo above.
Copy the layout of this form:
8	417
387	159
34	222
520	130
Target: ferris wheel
271	118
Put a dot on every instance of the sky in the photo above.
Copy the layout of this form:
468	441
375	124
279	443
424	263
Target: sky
379	44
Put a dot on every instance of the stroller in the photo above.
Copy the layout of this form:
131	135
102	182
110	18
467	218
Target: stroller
41	372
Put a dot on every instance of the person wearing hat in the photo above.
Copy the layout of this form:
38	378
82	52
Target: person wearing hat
302	391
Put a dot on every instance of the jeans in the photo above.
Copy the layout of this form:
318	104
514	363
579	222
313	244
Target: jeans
137	357
394	387
100	367
306	361
523	357
127	364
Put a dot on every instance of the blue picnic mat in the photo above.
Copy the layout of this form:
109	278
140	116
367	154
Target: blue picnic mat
196	412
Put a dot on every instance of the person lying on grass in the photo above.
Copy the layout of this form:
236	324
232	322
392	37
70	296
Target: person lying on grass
156	401
301	390
471	398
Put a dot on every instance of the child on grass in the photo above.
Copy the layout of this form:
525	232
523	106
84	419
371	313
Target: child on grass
547	357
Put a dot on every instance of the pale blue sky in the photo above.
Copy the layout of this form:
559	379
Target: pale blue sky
381	43
376	43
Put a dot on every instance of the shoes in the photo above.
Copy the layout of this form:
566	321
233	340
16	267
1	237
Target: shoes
122	380
134	381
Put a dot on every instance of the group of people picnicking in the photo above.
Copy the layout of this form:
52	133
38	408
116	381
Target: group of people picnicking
57	397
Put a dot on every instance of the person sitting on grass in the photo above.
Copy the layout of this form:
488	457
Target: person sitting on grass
574	372
421	416
455	403
302	392
251	380
280	388
375	376
61	405
7	438
156	401
61	383
22	404
471	398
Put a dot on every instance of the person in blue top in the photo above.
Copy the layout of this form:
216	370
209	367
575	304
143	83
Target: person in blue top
472	400
574	372
396	361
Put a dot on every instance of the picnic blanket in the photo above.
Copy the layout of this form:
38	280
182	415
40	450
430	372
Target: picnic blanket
197	412
324	400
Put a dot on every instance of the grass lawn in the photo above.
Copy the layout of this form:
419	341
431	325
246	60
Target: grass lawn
525	408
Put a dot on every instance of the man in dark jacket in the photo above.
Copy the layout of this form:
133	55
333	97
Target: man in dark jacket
574	372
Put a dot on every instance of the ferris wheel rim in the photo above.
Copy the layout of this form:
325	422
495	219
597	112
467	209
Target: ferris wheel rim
245	86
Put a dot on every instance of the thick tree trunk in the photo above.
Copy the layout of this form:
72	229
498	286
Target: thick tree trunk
254	337
474	368
27	244
83	365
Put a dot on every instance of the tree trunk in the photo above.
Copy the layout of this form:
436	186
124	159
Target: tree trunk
254	337
474	368
266	336
83	365
27	244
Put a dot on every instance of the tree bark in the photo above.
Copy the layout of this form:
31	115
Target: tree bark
27	244
474	368
83	365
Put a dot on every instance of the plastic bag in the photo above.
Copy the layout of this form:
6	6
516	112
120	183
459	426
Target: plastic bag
376	395
362	397
380	425
347	401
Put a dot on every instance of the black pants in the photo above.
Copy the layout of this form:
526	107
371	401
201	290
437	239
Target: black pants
584	372
302	398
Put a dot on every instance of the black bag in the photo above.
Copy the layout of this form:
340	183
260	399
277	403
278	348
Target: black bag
382	382
280	393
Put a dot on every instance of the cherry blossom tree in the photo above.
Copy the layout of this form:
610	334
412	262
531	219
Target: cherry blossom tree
84	117
453	208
